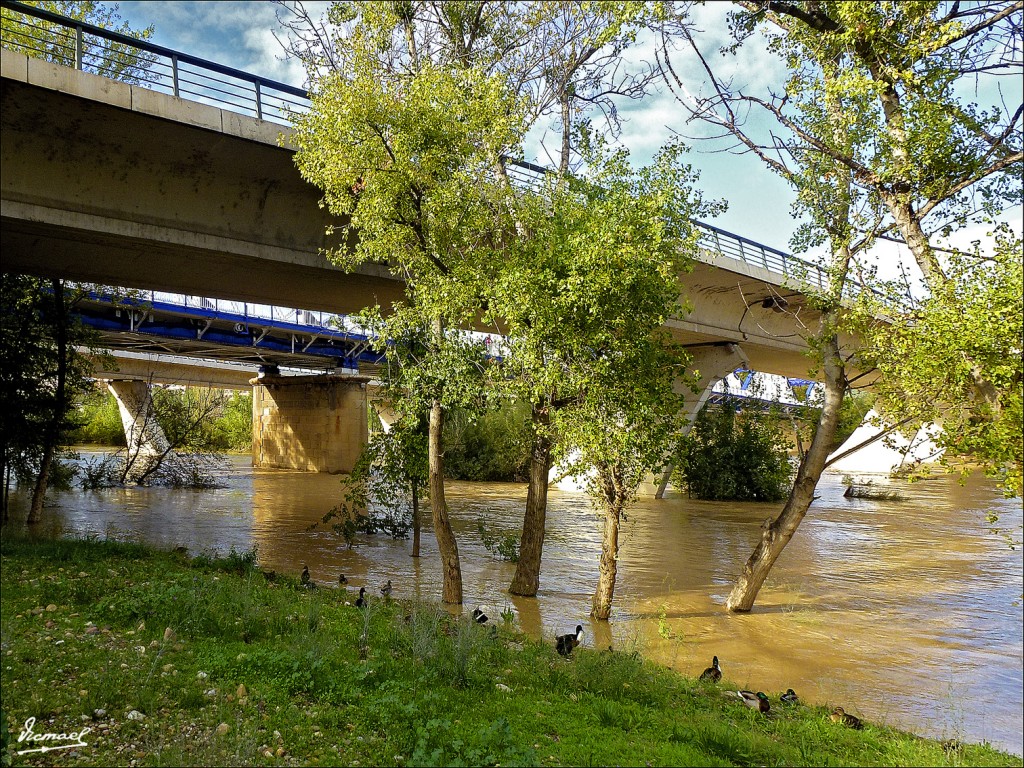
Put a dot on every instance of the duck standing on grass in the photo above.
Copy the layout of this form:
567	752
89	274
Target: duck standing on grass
712	673
304	578
565	643
839	715
789	697
361	600
758	701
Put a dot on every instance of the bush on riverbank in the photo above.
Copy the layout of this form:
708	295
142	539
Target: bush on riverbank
229	430
223	665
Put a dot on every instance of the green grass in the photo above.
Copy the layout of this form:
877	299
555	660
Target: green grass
292	677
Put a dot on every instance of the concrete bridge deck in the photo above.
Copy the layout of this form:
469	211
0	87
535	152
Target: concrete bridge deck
117	184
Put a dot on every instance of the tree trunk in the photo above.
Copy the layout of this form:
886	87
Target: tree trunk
447	547
415	519
601	607
526	581
776	534
60	396
909	225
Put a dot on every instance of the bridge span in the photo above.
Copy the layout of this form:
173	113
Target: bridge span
118	184
123	184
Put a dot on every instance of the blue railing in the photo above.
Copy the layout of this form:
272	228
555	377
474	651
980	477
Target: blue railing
93	49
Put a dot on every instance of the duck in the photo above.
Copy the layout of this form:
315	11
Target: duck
565	643
758	701
714	672
361	600
386	589
479	616
304	578
789	697
953	747
839	715
342	581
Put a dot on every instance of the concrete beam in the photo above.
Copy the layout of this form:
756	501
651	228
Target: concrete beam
167	369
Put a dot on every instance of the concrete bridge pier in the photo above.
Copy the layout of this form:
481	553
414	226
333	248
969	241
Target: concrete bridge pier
314	423
711	363
145	438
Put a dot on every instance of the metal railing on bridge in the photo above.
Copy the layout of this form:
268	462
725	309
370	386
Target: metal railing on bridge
90	48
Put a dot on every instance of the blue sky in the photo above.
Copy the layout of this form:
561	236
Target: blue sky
241	35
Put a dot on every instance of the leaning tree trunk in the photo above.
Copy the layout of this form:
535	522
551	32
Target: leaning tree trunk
526	581
447	547
601	607
60	397
775	534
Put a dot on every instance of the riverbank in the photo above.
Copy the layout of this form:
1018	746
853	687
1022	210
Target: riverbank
174	661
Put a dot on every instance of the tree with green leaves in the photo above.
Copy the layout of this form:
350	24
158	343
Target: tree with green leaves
731	455
41	379
48	40
416	106
584	298
403	135
873	134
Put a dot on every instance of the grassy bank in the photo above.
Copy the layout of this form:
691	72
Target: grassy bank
172	661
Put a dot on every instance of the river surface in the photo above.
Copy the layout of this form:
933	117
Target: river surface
904	612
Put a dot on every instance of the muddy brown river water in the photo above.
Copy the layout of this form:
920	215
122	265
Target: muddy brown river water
906	612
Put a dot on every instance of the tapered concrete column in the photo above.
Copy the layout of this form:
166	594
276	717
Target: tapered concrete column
710	364
144	436
311	423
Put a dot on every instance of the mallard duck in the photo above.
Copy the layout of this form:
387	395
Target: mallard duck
342	581
386	589
304	578
758	701
953	747
712	673
839	715
565	643
361	600
479	616
789	697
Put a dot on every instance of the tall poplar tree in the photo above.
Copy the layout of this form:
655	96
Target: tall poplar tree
394	79
873	111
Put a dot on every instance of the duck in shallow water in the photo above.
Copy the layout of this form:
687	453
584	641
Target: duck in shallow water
758	701
712	673
304	578
386	589
342	581
789	697
841	716
479	616
565	643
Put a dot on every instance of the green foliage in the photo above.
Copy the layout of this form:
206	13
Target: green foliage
99	419
341	684
55	43
505	547
902	100
226	424
493	744
731	456
38	382
494	446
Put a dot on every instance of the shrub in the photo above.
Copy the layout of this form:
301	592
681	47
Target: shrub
734	456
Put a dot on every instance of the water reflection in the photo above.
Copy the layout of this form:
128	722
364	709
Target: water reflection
904	612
